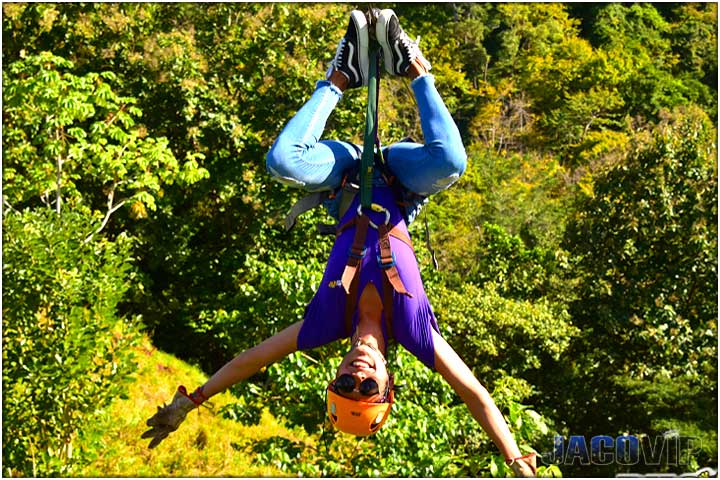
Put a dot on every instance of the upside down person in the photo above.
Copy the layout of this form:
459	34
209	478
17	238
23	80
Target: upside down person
374	293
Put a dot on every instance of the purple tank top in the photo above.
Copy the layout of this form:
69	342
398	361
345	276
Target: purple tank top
413	318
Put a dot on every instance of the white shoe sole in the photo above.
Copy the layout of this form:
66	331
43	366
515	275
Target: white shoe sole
381	33
360	21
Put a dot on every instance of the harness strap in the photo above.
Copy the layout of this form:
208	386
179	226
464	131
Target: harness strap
347	192
394	232
344	226
391	281
325	228
428	244
371	127
357	251
397	233
306	203
387	261
387	301
350	303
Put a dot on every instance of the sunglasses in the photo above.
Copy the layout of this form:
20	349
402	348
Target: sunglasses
345	383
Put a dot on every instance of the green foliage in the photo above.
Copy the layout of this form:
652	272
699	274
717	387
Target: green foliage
646	244
554	102
427	418
678	406
637	36
502	223
300	376
498	336
694	42
552	82
70	139
65	352
503	260
264	294
110	443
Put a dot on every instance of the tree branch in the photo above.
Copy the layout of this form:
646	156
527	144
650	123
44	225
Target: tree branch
587	127
116	115
7	204
110	210
58	179
44	198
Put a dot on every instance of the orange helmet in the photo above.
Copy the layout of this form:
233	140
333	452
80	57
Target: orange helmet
355	416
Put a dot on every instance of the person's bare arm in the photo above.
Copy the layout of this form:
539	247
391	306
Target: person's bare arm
482	407
168	418
251	361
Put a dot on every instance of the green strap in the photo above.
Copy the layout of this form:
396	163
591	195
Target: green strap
371	117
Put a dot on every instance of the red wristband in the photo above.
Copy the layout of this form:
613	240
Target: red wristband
196	397
510	461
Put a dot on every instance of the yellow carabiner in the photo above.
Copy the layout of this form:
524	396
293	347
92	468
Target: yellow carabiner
377	208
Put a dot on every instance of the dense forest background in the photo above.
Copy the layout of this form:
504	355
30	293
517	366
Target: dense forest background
577	255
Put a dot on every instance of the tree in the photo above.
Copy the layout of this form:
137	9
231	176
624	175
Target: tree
505	217
694	41
66	353
73	156
638	41
645	241
70	140
647	248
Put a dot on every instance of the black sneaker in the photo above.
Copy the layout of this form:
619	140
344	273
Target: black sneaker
398	50
351	56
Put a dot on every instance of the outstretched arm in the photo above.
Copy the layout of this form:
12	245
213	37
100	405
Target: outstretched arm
251	361
169	417
454	370
482	407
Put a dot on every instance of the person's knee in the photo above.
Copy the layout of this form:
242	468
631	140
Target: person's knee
450	164
454	160
281	163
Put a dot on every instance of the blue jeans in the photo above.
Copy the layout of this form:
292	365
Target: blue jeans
300	158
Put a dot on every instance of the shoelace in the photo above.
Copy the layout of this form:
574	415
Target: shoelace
410	47
337	61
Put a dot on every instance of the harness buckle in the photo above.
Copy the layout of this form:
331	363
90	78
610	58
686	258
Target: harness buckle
357	256
387	265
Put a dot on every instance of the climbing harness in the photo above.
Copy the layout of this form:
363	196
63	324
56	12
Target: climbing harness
386	261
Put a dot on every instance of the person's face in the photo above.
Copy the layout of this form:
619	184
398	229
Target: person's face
363	363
